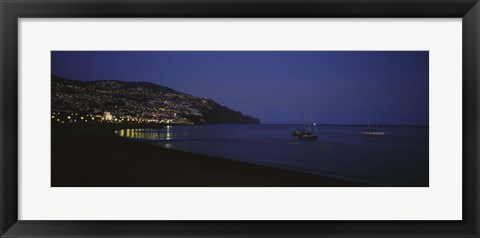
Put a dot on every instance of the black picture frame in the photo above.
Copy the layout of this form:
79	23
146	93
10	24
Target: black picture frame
11	11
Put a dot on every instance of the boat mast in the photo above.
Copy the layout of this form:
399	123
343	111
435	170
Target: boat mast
305	120
376	127
369	118
314	126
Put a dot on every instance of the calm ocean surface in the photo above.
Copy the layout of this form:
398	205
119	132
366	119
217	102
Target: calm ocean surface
399	158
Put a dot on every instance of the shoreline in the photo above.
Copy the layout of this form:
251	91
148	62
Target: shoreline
96	157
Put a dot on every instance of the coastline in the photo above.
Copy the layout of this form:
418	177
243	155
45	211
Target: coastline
96	157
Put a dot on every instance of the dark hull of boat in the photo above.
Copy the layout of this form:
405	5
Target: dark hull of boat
298	133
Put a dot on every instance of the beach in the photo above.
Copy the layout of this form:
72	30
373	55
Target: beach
94	156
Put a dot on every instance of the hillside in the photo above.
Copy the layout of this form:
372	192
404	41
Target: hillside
140	101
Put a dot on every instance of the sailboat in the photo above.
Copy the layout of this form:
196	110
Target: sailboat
307	133
372	131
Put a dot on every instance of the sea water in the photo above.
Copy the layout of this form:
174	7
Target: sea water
398	158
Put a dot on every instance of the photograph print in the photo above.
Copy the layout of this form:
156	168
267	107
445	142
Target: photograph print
239	118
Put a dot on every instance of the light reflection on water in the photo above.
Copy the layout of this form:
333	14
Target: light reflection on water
162	134
144	134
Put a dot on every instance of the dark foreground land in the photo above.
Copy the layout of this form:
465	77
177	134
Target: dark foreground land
96	157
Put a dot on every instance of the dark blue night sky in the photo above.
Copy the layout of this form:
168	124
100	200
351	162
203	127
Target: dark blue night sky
338	87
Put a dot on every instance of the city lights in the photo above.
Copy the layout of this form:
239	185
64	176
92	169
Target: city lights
107	117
